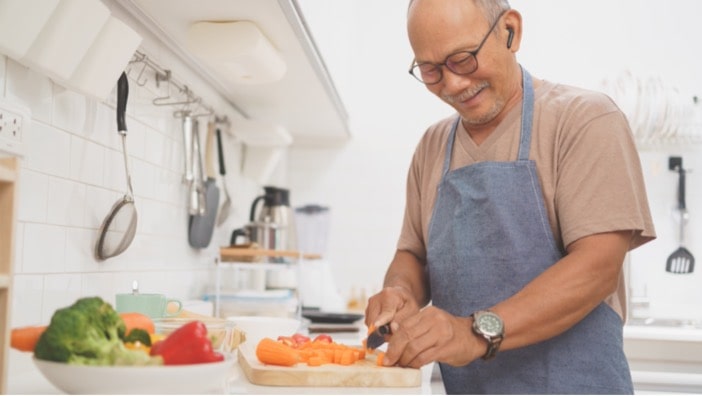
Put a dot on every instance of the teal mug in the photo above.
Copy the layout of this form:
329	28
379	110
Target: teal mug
153	305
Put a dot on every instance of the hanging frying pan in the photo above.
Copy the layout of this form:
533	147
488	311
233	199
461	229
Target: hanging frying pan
202	225
119	227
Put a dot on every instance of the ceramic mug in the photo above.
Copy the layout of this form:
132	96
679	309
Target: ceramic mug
153	305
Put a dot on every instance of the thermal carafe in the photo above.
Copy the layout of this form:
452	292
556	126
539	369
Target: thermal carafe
275	210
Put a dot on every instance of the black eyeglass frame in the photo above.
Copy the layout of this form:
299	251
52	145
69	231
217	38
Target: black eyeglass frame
438	66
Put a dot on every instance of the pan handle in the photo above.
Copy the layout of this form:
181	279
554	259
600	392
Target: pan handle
681	188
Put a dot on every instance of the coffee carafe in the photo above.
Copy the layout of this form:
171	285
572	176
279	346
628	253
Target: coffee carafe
275	211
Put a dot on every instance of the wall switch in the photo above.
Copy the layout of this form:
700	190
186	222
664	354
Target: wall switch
14	123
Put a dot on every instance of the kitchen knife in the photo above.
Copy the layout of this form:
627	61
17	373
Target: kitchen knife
377	337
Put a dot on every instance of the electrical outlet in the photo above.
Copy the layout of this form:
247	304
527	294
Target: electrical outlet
14	123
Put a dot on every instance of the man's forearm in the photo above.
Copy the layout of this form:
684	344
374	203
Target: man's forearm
407	271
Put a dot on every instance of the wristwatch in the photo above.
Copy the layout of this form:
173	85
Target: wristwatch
489	326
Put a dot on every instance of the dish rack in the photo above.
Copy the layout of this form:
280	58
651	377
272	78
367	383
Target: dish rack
9	170
658	113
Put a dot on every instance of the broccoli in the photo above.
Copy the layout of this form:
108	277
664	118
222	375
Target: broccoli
89	332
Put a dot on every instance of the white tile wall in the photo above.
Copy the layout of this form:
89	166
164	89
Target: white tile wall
71	175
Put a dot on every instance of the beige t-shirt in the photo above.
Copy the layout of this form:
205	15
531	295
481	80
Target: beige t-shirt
586	160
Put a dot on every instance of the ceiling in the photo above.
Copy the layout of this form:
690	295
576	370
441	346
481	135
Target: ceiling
304	100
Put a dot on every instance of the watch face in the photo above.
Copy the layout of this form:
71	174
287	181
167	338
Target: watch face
490	324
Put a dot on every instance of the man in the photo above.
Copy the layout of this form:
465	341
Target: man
520	210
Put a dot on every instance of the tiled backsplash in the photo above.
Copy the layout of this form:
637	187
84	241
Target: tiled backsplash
72	173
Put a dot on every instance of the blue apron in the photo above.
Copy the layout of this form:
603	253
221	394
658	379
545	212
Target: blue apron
488	237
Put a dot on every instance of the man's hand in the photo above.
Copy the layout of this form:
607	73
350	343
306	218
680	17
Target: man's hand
391	305
433	335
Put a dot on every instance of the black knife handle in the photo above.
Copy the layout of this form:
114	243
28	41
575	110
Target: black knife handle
384	329
220	153
122	94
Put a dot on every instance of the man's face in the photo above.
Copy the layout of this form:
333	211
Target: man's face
439	28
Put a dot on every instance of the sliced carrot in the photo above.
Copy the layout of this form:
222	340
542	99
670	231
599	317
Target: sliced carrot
269	351
379	358
26	338
315	361
347	358
136	320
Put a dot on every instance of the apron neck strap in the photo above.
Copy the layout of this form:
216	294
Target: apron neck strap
527	115
525	131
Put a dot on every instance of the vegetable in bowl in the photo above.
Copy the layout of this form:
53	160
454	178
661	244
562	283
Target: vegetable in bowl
89	332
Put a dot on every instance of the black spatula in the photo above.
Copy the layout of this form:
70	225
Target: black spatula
680	261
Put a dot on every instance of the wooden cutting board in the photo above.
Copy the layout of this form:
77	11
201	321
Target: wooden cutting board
360	374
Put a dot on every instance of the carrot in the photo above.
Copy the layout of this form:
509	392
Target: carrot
347	358
136	320
379	358
26	338
315	361
269	351
371	328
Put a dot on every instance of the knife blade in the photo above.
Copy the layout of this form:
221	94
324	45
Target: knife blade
377	337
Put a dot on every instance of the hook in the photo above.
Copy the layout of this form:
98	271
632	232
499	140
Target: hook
140	58
168	100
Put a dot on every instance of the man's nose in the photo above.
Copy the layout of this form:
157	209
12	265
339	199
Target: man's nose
454	83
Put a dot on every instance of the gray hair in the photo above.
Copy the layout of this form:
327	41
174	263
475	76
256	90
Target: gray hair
491	8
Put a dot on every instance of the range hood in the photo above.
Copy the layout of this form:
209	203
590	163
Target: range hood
304	100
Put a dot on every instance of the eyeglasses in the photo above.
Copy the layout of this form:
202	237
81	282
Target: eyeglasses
461	63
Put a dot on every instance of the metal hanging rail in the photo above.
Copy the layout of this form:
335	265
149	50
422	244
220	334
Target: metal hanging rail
183	96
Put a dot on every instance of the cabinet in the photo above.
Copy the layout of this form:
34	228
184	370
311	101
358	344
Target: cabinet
8	177
305	100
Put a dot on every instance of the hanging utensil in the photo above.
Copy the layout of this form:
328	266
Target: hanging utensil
119	227
189	123
680	261
226	205
198	190
202	226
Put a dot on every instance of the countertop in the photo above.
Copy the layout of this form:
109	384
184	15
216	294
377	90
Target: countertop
662	360
25	378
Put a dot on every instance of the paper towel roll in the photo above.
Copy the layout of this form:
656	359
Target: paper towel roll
237	50
107	57
21	21
66	38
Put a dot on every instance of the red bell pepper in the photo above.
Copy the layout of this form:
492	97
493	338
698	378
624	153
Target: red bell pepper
189	344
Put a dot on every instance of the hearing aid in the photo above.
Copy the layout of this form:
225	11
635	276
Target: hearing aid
510	37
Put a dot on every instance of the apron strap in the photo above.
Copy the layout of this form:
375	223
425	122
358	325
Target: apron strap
527	115
525	131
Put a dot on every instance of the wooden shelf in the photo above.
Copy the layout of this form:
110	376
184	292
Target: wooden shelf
9	169
241	254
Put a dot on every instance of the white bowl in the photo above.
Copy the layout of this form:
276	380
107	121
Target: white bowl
95	380
258	327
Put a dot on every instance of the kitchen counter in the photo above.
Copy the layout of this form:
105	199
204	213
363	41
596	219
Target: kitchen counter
661	359
25	378
664	358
